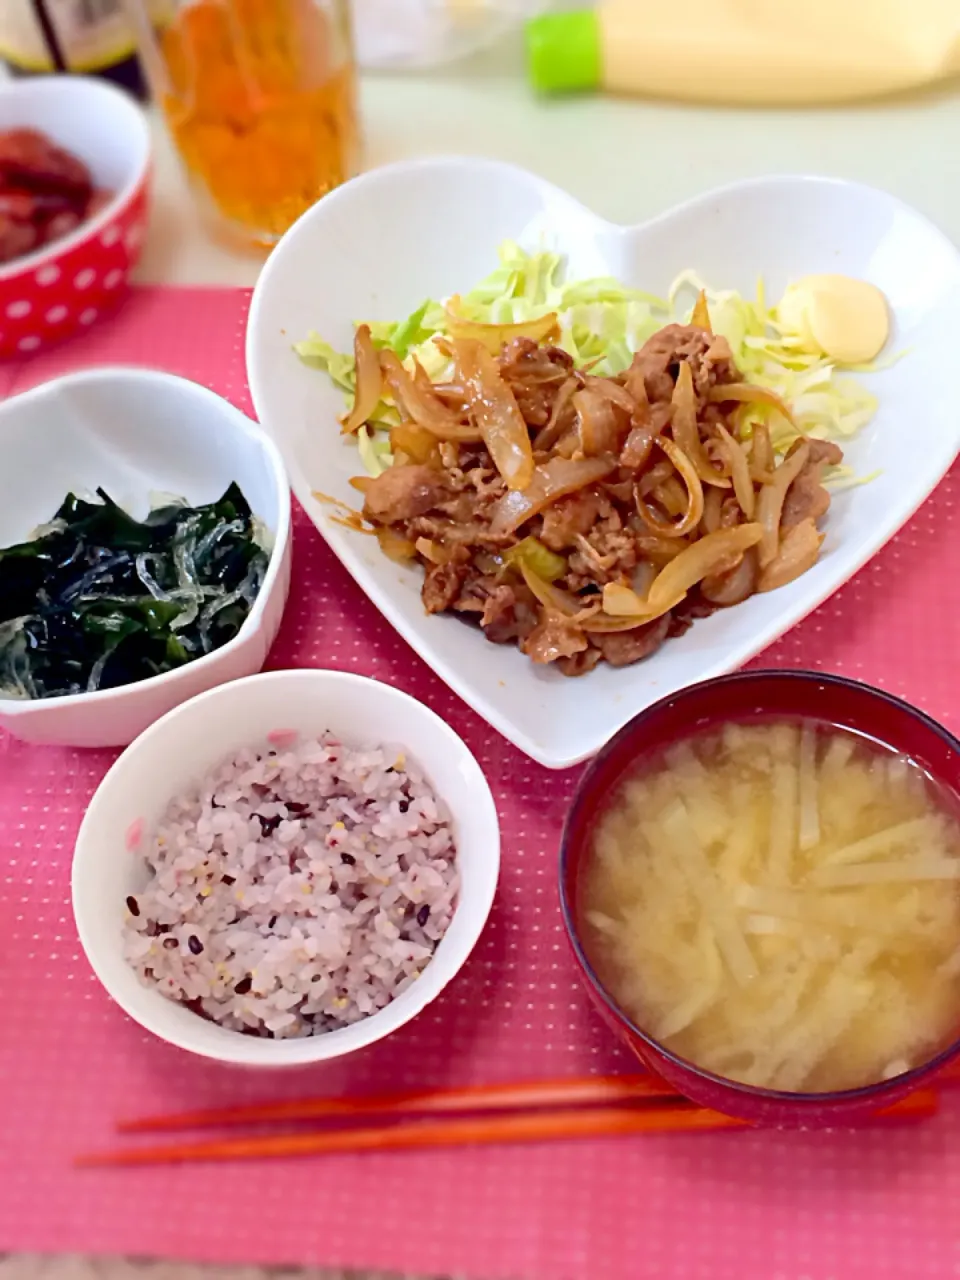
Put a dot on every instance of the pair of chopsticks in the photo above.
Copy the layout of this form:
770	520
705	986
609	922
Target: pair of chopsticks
537	1111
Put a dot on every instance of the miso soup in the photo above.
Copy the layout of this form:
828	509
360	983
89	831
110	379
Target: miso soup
778	903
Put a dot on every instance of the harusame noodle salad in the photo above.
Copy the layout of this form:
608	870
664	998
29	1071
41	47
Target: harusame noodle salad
583	469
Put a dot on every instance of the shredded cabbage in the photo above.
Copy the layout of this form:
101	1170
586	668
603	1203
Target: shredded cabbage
339	368
374	449
602	323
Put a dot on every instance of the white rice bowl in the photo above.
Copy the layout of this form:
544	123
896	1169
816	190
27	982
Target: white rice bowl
190	779
301	887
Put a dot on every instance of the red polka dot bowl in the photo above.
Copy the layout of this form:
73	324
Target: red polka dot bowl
65	287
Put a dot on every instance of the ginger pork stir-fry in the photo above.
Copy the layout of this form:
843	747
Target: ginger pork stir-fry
588	519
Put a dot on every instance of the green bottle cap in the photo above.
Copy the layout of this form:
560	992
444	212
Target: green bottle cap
563	51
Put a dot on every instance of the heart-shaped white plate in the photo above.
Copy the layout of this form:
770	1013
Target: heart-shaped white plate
375	248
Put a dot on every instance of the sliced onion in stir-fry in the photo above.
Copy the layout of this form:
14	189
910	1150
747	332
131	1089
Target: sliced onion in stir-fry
451	393
552	480
613	392
762	458
422	406
712	509
686	430
735	585
660	550
701	313
621	601
548	436
419	444
635	386
606	624
493	336
422	379
739	471
654	476
673	582
568	446
369	391
641	580
749	393
600	428
703	558
394	545
799	551
433	551
495	410
551	597
671	496
770	502
691	516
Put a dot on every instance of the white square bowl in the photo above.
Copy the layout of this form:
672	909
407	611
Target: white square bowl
137	433
374	249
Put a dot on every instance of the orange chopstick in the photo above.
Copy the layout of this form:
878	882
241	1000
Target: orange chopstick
587	1091
570	1092
538	1126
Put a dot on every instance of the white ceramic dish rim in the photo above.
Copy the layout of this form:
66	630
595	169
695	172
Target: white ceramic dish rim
281	535
411	633
54	85
241	1050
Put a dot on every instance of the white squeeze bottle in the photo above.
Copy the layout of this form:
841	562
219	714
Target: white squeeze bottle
747	51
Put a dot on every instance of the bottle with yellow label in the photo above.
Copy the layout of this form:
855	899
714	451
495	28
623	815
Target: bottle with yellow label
759	52
89	37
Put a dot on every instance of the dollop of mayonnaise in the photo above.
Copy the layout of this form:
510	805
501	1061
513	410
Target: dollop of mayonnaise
844	319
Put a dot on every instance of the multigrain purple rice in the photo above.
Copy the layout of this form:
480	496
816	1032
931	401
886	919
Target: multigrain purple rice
299	888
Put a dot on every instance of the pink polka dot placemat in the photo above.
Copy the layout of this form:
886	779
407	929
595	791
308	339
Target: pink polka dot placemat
877	1204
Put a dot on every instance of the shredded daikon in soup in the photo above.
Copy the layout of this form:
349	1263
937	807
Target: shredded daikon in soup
778	903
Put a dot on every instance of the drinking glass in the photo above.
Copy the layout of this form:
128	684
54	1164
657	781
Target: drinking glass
260	99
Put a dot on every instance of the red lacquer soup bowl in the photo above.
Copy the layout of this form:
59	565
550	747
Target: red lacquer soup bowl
747	696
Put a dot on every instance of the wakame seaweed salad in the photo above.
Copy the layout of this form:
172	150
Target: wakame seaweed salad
97	599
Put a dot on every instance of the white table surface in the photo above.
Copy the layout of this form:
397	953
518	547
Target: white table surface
626	159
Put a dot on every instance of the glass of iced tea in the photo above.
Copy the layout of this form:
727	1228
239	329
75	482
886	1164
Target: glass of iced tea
260	98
